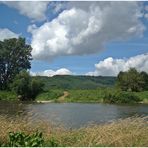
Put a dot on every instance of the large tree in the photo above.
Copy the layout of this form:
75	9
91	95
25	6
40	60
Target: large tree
15	56
131	80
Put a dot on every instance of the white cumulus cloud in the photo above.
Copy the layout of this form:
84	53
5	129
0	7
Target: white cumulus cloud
32	9
85	27
50	73
111	67
7	34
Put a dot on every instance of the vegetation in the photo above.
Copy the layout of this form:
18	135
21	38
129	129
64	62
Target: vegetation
129	132
15	55
77	82
17	139
117	96
7	95
52	94
95	95
132	80
26	87
107	95
16	83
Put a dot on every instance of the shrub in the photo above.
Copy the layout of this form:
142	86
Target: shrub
117	96
20	139
26	87
7	95
36	87
53	142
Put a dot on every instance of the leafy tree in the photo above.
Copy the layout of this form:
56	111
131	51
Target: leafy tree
15	55
21	85
131	80
25	87
36	86
145	77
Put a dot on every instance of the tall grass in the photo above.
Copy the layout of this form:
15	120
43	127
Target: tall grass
124	132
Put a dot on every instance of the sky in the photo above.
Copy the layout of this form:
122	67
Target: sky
79	38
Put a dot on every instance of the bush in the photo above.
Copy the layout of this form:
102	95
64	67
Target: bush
50	95
36	87
117	96
26	87
53	142
19	139
7	95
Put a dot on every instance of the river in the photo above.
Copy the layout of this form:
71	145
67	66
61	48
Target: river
72	115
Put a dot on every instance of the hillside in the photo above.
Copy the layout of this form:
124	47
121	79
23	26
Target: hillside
77	82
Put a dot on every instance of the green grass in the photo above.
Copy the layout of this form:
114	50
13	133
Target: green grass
143	95
96	95
50	95
85	95
7	95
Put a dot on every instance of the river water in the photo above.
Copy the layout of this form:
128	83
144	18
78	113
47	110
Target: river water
71	115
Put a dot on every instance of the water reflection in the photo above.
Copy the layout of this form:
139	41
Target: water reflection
71	114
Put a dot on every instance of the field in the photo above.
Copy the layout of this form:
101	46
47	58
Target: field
128	132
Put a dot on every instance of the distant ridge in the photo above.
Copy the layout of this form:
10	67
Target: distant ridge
77	82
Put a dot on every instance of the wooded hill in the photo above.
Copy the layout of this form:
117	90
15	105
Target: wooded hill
76	82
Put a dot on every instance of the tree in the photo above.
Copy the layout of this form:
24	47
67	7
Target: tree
26	87
131	80
36	86
145	77
21	85
15	55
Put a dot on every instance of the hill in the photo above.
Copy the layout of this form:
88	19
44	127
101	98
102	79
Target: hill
77	82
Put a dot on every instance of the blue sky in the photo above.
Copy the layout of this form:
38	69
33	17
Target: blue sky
115	43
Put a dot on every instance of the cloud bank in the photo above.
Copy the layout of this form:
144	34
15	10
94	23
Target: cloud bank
50	73
7	34
111	67
84	28
32	9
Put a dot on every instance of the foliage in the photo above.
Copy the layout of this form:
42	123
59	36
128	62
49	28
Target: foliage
117	96
131	80
18	139
36	86
7	95
85	95
77	82
26	87
53	142
145	78
15	55
50	95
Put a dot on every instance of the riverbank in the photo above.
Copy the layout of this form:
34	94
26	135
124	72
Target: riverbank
128	132
84	96
73	95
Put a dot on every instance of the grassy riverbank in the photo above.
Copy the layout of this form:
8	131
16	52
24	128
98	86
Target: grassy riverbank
84	96
126	132
73	95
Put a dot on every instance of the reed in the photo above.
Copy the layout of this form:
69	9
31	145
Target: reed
127	132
